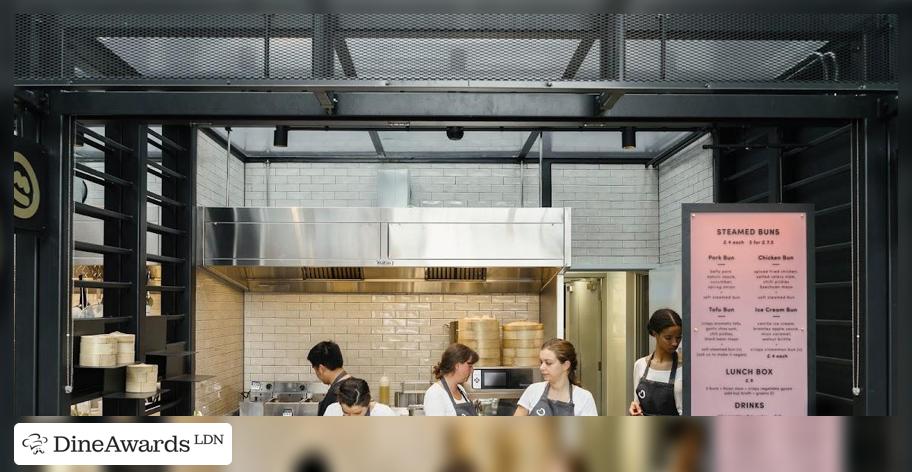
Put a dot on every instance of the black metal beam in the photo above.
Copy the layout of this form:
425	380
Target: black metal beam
774	166
675	148
544	169
54	262
480	107
378	144
7	359
235	150
579	55
527	146
875	208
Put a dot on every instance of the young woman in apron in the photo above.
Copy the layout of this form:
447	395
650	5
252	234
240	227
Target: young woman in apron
559	394
446	397
657	377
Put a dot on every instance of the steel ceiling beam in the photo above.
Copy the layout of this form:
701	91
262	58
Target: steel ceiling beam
402	109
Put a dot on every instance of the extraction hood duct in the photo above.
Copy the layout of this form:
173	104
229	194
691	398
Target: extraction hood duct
386	250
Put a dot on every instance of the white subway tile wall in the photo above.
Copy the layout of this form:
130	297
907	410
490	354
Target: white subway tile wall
212	176
400	336
219	344
687	177
615	218
355	185
219	308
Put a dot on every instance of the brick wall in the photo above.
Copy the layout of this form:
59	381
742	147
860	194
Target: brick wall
615	218
219	332
211	178
355	185
400	336
219	344
685	178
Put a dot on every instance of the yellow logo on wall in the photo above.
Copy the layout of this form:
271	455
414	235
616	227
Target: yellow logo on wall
26	191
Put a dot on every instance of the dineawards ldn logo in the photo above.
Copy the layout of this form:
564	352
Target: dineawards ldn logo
123	444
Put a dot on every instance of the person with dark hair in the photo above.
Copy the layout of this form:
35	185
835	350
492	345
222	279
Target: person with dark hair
560	393
354	399
446	397
326	360
657	377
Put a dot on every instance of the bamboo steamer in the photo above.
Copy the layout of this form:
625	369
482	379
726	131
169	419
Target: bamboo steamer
522	342
521	362
125	347
142	378
516	353
97	351
483	336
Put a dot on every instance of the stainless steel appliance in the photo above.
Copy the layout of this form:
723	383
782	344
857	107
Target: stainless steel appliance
282	399
504	384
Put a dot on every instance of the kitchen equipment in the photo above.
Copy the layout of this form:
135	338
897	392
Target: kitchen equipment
412	393
142	378
487	406
416	410
506	384
282	399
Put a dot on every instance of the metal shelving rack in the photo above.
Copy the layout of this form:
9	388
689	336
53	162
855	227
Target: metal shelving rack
125	178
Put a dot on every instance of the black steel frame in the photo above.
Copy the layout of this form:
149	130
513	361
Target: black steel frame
544	111
329	33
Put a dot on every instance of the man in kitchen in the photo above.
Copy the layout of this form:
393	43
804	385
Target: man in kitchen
326	360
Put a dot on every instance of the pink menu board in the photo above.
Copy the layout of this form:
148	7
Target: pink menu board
748	313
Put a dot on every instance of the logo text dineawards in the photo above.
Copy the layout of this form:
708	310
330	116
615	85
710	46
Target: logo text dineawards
123	443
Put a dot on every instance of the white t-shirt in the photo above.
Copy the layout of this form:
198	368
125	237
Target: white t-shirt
583	403
379	409
660	376
437	401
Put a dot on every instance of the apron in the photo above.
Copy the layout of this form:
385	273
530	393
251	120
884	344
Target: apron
368	410
462	409
548	407
657	398
330	397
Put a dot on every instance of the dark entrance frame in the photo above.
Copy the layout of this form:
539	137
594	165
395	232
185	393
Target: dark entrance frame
524	110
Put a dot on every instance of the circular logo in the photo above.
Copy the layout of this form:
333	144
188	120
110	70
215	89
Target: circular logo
540	412
641	394
26	194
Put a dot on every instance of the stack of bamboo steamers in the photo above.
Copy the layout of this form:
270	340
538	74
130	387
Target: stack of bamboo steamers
106	350
483	336
521	343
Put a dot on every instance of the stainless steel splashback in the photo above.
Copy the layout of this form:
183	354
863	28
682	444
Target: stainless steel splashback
278	249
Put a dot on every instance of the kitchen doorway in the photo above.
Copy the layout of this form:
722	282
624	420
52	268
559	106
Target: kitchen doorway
603	313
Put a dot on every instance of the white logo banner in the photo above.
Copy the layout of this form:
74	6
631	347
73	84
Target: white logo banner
122	443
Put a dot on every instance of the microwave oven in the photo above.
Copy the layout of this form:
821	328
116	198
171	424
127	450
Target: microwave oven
504	378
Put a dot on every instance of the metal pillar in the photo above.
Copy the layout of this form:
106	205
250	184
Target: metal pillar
875	227
54	262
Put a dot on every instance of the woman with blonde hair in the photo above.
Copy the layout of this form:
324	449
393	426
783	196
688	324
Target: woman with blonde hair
560	393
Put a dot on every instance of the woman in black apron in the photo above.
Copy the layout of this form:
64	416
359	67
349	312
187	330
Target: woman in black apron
560	394
656	395
446	397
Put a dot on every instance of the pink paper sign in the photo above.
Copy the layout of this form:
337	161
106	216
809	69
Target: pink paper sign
748	314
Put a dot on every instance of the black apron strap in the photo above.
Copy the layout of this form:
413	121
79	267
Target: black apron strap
674	368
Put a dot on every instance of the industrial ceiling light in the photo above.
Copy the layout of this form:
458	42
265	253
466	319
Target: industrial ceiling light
280	136
455	133
628	138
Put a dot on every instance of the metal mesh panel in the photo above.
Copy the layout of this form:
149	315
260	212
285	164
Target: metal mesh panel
672	48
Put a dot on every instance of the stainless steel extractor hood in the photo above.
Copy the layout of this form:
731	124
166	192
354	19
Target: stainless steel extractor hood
386	250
